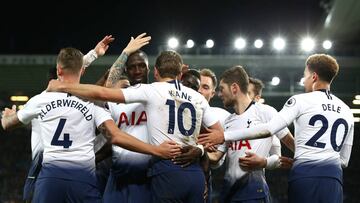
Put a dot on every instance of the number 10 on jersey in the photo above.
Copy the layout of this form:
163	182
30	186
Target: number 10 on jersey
180	119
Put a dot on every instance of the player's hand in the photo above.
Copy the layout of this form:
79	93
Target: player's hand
7	113
54	86
189	154
136	43
286	162
252	162
211	149
168	150
103	45
211	138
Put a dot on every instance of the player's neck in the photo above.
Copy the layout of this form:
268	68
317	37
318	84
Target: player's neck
242	103
165	79
69	79
321	85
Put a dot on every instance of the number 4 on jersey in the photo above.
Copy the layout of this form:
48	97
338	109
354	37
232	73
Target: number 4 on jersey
66	143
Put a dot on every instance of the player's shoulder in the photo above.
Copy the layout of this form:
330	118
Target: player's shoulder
44	97
298	99
220	111
264	107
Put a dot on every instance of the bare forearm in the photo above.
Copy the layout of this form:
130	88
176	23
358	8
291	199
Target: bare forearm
93	92
116	70
131	143
214	157
289	141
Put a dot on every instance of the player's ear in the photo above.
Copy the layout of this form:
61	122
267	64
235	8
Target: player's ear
234	88
213	92
82	71
314	76
156	73
59	70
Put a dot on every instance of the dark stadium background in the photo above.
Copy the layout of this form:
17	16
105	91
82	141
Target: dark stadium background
33	32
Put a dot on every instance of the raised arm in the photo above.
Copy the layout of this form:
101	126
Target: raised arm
99	50
117	69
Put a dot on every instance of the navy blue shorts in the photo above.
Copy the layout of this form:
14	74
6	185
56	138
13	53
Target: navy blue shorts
32	176
118	189
178	186
315	189
56	190
252	187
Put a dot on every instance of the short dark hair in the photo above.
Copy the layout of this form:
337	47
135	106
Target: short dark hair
258	85
70	59
191	79
324	65
141	54
237	75
209	73
169	64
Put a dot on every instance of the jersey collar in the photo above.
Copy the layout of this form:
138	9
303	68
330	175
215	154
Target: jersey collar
251	103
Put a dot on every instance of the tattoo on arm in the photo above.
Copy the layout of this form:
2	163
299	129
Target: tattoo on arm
103	131
117	69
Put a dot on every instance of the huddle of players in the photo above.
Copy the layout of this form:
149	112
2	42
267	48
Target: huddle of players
166	110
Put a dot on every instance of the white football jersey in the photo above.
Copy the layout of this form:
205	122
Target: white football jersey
174	112
67	126
323	123
255	114
36	142
221	114
130	118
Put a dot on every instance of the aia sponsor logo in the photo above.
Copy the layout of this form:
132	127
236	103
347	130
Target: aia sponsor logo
132	119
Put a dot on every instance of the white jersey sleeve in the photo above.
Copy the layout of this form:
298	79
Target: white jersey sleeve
269	112
209	117
101	115
275	147
291	110
138	93
31	110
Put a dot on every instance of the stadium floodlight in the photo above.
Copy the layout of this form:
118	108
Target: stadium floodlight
240	43
301	83
275	81
19	98
279	43
307	44
173	42
209	43
258	43
355	111
356	102
327	44
190	43
357	97
356	119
